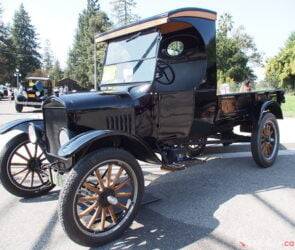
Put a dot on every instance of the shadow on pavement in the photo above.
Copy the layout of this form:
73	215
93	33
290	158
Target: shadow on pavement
51	196
189	200
45	235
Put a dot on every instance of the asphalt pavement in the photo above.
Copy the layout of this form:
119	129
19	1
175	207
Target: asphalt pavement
225	203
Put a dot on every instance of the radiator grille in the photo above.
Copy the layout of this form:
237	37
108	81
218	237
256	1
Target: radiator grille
120	122
55	119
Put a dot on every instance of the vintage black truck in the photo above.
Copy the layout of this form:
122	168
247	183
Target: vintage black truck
157	103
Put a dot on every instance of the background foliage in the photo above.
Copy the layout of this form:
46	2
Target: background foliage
25	43
123	12
81	60
280	70
236	52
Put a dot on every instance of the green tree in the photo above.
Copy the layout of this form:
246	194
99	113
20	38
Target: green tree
280	70
47	58
236	52
25	42
6	53
123	11
81	57
56	73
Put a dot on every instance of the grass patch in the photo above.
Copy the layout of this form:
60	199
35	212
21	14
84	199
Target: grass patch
289	106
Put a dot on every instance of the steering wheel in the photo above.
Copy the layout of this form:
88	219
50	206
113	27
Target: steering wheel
164	73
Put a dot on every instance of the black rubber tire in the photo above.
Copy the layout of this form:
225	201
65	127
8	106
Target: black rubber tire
66	199
4	175
259	158
19	108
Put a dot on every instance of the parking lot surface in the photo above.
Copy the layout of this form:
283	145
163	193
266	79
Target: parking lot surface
225	203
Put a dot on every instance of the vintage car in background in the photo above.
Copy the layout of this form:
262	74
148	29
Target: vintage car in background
157	103
3	91
33	92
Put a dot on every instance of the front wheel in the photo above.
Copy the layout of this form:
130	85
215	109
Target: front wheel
101	197
23	168
265	141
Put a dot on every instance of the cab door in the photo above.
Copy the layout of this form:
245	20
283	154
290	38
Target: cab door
179	70
175	113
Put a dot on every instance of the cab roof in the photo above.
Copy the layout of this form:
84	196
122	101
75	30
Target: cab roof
156	21
38	78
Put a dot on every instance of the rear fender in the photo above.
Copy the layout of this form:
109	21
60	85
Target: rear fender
93	140
22	125
272	107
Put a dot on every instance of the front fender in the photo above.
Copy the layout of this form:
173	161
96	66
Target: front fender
22	125
132	144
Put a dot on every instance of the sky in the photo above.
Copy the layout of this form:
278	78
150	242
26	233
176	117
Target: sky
269	22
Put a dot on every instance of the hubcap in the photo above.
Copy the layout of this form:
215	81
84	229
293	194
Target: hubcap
34	164
105	196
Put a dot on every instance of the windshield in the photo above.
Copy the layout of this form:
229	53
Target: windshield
131	60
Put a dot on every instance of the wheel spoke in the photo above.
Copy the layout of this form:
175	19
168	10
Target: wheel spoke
117	177
19	164
40	178
123	195
103	219
270	148
32	178
94	217
87	198
113	215
36	150
25	177
120	205
39	157
122	184
88	210
28	151
20	172
90	187
100	180
21	156
109	175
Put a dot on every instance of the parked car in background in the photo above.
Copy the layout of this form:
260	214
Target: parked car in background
3	91
33	92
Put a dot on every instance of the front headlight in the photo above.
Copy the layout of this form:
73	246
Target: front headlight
64	137
32	133
24	93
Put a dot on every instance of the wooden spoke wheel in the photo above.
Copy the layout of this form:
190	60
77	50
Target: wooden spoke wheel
265	141
101	196
268	139
23	171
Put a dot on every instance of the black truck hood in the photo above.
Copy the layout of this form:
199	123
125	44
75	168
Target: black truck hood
91	101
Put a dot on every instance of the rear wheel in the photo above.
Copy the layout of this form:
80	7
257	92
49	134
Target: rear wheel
265	141
23	168
101	197
19	108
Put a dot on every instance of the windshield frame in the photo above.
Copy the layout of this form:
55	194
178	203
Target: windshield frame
126	37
